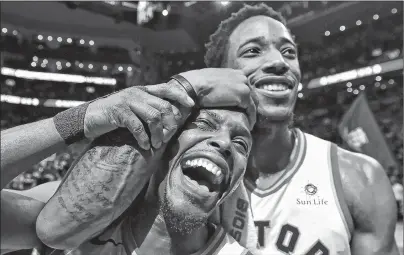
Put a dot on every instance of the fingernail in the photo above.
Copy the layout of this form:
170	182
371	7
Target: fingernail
176	112
190	101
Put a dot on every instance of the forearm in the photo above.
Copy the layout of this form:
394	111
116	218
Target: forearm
25	145
98	189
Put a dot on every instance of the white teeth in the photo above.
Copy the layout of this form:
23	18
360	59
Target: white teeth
207	164
275	87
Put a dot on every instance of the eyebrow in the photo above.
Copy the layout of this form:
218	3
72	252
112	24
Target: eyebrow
262	39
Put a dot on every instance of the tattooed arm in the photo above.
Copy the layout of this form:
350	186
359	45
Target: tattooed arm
98	189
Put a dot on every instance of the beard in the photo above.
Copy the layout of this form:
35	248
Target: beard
177	220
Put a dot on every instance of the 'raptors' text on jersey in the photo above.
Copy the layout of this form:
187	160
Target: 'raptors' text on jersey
303	212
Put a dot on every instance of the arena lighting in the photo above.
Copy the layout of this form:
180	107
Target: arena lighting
35	58
58	63
358	22
4	30
50	38
327	33
120	68
59	39
19	100
15	32
90	66
82	41
383	86
376	17
44	102
300	87
362	87
59	67
349	90
69	40
300	95
40	37
378	78
356	91
393	65
164	12
391	81
377	84
91	42
224	3
349	84
105	67
81	65
342	28
394	10
43	65
68	64
45	61
129	69
33	64
46	76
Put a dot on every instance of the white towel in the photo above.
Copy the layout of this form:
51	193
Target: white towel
235	215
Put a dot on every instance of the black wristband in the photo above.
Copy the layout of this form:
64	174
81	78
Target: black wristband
70	123
186	85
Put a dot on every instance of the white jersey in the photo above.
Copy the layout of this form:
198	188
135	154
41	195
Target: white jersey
301	214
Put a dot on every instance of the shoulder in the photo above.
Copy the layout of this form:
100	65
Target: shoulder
366	188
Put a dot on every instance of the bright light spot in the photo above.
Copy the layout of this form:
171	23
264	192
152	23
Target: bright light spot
377	84
40	37
43	65
82	41
91	42
349	90
69	40
90	66
362	87
358	22
164	12
129	69
391	81
68	64
356	91
120	68
376	17
59	67
377	68
45	61
59	39
105	67
58	63
342	28
50	38
378	78
300	87
90	89
383	86
349	84
300	95
35	58
10	82
33	64
224	3
81	65
15	32
327	33
4	30
394	10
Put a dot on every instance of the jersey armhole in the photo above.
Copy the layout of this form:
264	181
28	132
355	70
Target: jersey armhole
338	191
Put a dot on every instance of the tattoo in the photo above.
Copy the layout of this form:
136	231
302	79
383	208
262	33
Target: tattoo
97	181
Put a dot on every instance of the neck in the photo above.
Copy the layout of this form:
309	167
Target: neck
162	238
272	147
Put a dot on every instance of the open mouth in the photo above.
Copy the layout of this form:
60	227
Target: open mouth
204	174
276	87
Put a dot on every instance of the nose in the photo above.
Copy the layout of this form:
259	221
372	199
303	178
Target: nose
222	145
275	65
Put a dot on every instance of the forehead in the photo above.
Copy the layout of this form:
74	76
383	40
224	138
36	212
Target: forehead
232	119
259	26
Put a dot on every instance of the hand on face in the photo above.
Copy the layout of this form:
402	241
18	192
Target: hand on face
209	162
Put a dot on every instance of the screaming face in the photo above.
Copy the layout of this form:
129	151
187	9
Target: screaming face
263	48
209	162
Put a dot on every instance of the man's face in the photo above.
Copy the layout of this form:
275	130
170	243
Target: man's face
208	161
264	49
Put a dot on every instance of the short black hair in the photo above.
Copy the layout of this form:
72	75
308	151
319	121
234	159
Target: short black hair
216	47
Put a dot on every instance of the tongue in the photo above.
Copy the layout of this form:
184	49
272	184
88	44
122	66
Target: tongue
204	185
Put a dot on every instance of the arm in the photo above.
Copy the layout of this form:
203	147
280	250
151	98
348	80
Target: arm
19	210
371	203
98	189
26	145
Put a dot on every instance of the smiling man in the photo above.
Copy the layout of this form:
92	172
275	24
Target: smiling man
200	168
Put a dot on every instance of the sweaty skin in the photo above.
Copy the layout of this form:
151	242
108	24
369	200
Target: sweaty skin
263	48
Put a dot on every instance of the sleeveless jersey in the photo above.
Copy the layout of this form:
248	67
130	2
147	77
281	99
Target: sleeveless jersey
301	213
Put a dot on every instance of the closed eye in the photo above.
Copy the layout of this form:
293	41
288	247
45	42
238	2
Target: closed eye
204	124
241	145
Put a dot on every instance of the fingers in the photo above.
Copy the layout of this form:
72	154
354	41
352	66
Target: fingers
152	117
252	113
172	93
126	118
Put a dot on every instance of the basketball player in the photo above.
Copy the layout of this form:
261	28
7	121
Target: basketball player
202	166
308	196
